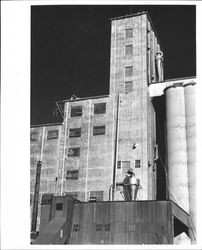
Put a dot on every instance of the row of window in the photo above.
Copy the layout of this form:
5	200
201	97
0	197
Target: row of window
73	132
99	108
51	134
76	132
74	174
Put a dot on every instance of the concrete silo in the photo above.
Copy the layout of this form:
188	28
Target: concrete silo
177	145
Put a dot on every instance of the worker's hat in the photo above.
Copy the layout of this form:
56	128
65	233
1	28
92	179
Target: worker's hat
130	171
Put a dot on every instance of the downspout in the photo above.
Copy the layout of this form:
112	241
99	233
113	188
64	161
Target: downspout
37	186
63	158
116	149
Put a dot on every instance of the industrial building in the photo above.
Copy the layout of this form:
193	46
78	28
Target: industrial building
77	165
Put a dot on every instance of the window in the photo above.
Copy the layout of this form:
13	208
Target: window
96	196
129	33
128	50
52	134
72	175
128	86
74	132
102	227
119	165
73	195
47	199
76	227
73	152
76	111
137	163
124	165
129	71
58	206
99	130
99	227
99	108
33	136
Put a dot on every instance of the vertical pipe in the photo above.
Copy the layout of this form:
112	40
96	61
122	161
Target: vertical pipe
177	146
116	148
88	144
42	144
64	147
189	90
37	186
36	197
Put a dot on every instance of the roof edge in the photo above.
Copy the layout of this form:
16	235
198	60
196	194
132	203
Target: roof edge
46	124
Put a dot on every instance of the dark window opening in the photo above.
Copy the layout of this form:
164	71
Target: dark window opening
96	196
72	175
100	108
73	152
76	111
128	50
128	71
128	87
129	33
119	165
99	130
102	227
71	194
52	134
33	136
59	206
99	227
137	163
74	132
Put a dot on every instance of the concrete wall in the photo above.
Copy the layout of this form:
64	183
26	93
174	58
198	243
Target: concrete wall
48	151
119	60
95	163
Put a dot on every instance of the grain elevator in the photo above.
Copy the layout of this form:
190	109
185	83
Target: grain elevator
80	193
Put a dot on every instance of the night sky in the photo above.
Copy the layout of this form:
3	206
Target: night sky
70	50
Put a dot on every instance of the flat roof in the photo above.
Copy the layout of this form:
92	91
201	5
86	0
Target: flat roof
83	98
130	15
46	124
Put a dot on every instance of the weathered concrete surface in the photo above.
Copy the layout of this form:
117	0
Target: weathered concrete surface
190	112
177	146
48	151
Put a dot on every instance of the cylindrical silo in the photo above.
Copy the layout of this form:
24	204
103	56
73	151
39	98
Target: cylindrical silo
189	90
177	146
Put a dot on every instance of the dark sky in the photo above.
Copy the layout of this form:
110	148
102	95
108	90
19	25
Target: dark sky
70	50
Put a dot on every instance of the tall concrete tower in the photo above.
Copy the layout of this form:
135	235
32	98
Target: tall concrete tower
136	61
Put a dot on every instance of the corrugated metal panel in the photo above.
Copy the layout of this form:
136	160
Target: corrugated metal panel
142	222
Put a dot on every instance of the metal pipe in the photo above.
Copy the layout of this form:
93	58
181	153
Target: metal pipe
42	144
36	198
88	146
116	148
63	159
